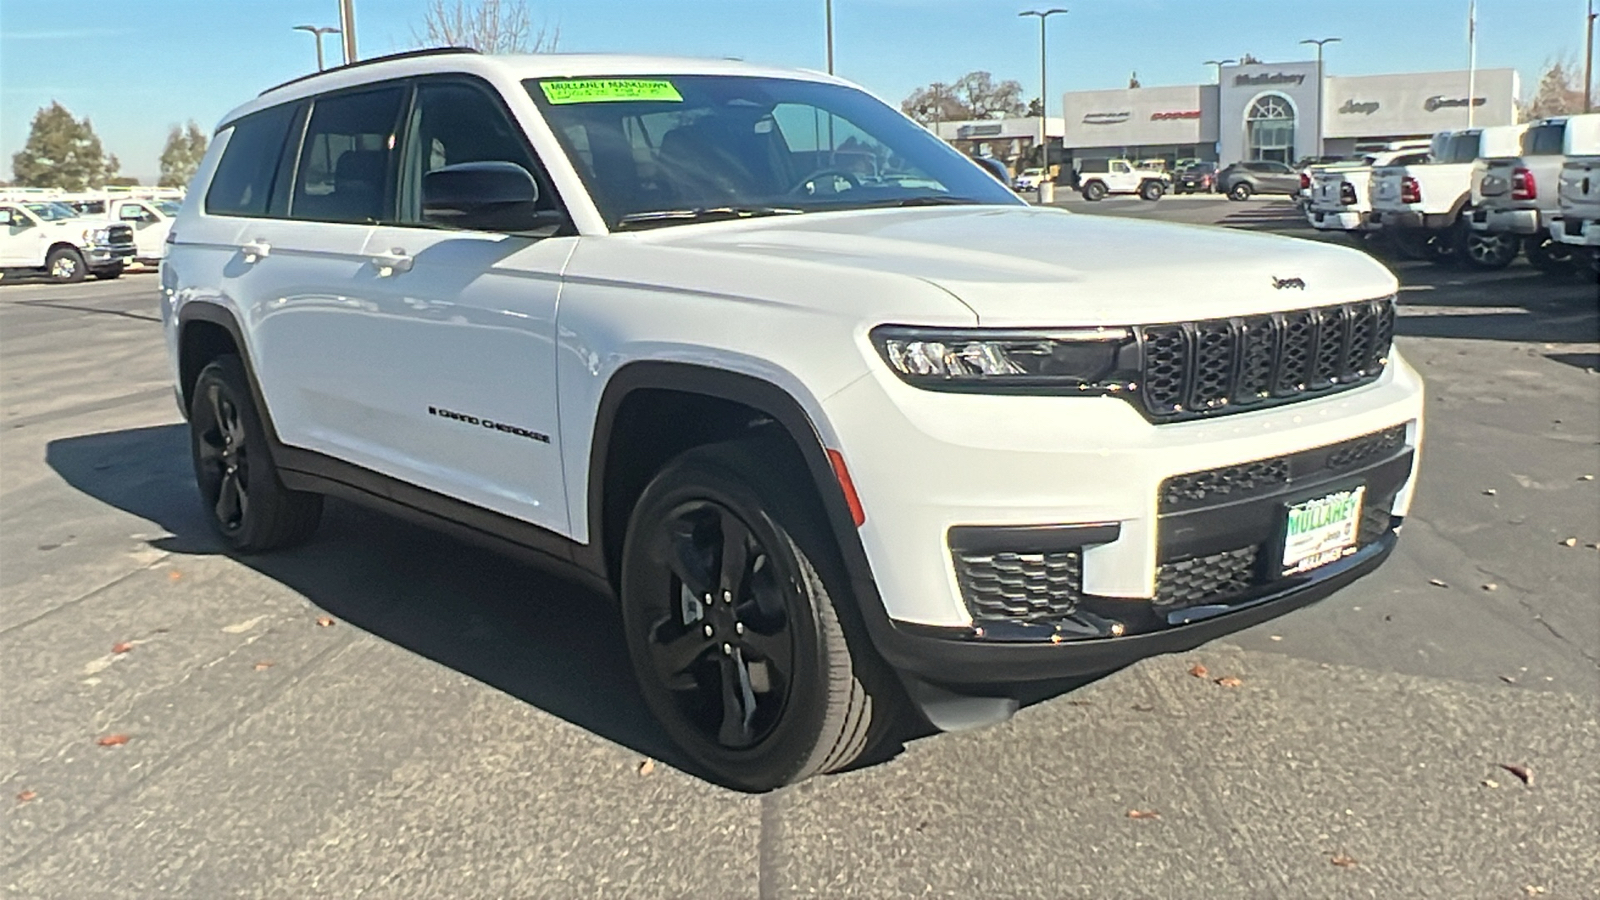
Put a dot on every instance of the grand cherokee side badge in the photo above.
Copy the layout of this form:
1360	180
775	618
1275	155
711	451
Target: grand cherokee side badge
1281	283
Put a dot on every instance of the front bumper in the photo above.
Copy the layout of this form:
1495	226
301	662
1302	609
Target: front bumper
1515	221
98	255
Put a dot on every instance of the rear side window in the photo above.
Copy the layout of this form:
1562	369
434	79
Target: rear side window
346	169
244	180
1462	148
1544	140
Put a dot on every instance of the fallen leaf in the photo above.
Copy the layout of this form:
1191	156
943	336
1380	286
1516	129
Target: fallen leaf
1585	477
1079	703
646	767
1143	814
122	647
113	740
1533	889
1491	586
25	796
324	621
1277	637
1343	861
1436	582
1490	783
1508	679
1141	707
1570	542
1488	492
1198	671
174	575
263	665
1229	681
1522	772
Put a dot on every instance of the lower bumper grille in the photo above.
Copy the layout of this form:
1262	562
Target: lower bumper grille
1020	587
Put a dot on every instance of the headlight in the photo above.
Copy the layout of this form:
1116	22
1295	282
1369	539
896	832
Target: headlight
1083	360
95	235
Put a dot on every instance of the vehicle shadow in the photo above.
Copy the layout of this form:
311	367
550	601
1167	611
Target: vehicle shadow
543	640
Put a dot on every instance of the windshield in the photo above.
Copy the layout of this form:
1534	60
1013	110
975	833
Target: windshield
683	145
166	207
51	212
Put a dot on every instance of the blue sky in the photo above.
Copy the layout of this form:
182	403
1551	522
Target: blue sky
136	67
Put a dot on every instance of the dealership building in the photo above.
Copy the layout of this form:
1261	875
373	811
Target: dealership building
1270	111
1257	111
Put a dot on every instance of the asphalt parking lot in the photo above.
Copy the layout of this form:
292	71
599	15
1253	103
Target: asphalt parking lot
390	713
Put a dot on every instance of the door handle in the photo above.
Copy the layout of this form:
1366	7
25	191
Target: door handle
396	260
257	249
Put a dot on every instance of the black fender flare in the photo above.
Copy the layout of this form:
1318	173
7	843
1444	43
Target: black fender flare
766	398
216	314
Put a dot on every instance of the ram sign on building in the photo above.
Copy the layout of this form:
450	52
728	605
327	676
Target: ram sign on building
1270	111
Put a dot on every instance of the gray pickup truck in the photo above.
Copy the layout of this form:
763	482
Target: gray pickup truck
1520	192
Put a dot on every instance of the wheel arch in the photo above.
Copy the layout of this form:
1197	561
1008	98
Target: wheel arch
620	463
63	245
206	331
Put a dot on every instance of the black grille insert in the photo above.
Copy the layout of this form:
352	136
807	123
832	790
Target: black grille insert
1186	582
1263	476
1020	587
1215	366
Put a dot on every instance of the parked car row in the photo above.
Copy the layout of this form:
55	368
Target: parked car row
71	235
1480	195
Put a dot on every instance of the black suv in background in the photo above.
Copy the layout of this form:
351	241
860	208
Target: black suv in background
1195	178
1242	179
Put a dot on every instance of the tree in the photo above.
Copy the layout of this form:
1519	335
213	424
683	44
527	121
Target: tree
1560	92
1035	109
975	96
62	152
488	26
186	146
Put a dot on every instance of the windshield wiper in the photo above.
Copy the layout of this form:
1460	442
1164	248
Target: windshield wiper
648	218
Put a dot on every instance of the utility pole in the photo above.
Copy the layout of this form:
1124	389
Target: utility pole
1044	104
828	5
1321	114
347	21
316	34
1219	63
1472	59
1588	59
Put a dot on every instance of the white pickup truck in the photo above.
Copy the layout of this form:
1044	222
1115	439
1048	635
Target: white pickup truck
1425	207
1577	221
1339	196
49	237
151	221
1519	193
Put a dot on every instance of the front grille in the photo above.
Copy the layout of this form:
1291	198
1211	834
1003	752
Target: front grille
1263	476
1186	582
1020	587
1216	366
119	234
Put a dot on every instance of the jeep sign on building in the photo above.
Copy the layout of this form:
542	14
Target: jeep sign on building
1269	111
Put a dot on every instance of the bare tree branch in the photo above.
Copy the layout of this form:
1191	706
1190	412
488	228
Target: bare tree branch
488	26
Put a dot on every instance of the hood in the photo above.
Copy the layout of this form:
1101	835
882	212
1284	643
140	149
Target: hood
1025	266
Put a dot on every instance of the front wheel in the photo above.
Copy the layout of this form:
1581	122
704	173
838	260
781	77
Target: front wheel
1240	191
249	507
65	266
729	611
1412	243
1151	190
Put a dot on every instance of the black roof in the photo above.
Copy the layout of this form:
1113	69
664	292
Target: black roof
408	54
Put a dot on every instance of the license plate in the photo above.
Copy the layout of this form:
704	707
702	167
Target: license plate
1321	531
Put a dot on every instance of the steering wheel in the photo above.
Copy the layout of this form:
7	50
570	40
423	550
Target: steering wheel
855	181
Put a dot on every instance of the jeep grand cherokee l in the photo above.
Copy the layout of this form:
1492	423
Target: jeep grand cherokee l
839	421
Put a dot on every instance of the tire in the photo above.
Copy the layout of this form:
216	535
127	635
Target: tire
249	508
1412	243
1094	191
1482	250
65	265
1240	191
1548	255
1151	190
807	708
108	273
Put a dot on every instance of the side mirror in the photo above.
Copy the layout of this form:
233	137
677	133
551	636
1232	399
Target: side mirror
485	196
18	220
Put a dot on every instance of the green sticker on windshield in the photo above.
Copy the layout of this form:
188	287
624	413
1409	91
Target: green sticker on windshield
605	90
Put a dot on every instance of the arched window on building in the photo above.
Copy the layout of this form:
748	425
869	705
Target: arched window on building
1269	129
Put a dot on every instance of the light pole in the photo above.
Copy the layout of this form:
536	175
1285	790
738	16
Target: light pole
347	21
1320	80
1588	60
316	34
1044	103
828	8
1219	63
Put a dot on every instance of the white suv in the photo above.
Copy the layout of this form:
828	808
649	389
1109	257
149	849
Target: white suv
837	419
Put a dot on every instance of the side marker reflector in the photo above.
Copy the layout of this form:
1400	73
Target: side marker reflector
857	514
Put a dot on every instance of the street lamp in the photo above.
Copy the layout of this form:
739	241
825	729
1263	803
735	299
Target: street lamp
1588	61
1044	102
316	34
1219	63
1320	113
829	12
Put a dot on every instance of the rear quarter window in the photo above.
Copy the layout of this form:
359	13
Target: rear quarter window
244	181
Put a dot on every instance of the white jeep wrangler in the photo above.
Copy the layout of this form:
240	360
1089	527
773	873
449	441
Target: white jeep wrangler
48	237
1099	177
839	421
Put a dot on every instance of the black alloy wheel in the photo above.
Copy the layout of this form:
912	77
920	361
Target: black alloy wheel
249	507
1488	250
733	635
1240	191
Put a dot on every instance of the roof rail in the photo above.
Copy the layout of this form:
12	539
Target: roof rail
407	54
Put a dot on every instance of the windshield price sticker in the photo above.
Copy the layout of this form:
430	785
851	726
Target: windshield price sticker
605	90
1321	531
